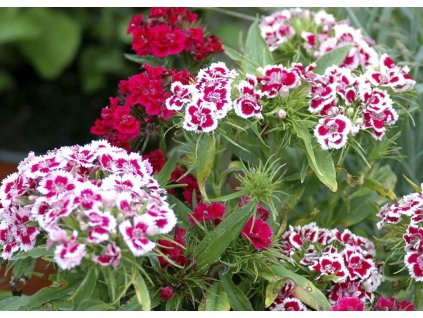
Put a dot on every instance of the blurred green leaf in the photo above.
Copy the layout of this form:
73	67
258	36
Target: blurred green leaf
256	49
16	26
57	44
206	151
141	291
334	57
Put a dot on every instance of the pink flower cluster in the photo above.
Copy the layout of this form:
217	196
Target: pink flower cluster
408	210
350	103
146	93
207	100
342	260
170	31
83	198
279	27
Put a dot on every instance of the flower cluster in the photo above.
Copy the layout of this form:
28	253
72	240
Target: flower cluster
145	94
342	260
178	176
206	100
409	210
382	304
350	103
279	27
83	198
171	31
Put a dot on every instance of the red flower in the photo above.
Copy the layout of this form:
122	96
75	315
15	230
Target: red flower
166	41
190	181
203	212
391	304
258	232
169	31
166	293
156	159
172	250
349	304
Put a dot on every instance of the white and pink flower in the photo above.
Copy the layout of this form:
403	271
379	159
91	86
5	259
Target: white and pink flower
332	132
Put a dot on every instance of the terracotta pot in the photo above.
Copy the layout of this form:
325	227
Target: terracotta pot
32	285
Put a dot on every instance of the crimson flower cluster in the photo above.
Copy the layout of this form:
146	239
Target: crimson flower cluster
86	199
278	29
408	210
342	261
144	93
382	304
171	31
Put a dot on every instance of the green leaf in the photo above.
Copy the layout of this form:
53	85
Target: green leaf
86	288
181	209
205	157
153	61
163	176
13	303
215	242
272	290
334	57
94	304
216	299
36	252
256	49
15	26
57	44
320	161
304	290
379	188
141	291
237	298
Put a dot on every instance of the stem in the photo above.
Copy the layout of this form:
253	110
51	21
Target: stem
233	13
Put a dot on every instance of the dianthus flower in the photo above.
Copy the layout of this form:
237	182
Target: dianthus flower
141	102
81	198
408	211
349	304
171	31
343	260
392	304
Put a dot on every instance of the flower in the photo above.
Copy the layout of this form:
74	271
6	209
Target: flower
171	31
391	304
93	194
342	260
258	232
69	254
349	304
203	213
332	132
172	250
166	293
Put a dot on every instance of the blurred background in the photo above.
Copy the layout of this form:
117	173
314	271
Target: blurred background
59	66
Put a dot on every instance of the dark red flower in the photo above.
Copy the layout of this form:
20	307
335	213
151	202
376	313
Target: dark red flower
203	212
349	304
169	31
191	185
173	251
166	293
258	232
391	304
156	159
